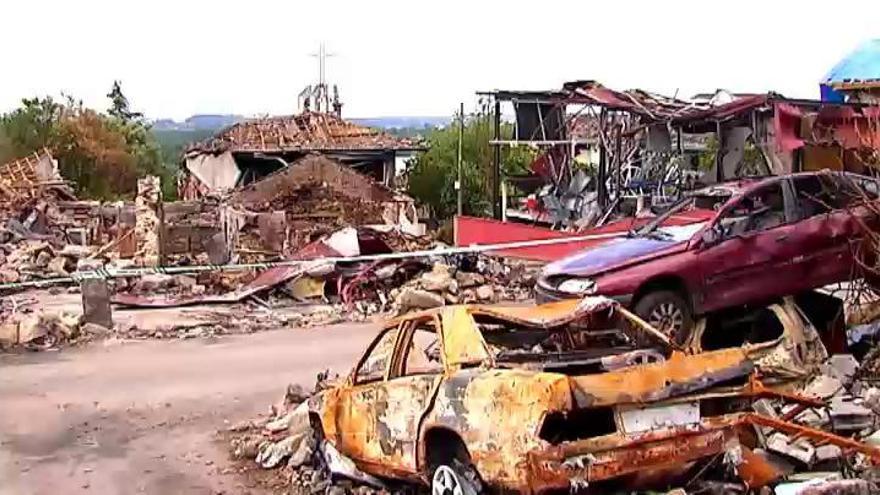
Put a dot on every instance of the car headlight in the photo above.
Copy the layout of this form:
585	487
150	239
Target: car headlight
580	286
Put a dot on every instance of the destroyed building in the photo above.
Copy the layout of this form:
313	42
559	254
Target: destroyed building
248	151
641	140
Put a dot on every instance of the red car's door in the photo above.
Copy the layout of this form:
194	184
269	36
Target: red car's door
749	260
827	233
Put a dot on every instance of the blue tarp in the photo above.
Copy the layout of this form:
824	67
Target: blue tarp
863	64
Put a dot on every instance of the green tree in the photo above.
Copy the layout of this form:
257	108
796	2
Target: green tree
102	155
119	106
431	178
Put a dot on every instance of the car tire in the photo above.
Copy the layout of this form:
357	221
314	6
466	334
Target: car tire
455	478
668	312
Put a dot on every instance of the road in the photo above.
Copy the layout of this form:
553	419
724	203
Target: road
141	416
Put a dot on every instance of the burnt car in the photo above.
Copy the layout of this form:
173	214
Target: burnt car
560	396
761	239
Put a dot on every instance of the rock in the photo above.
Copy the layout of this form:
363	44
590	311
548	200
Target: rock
197	290
89	265
840	366
75	251
31	327
9	276
271	454
450	298
43	259
871	399
295	394
849	415
8	333
185	281
485	293
828	453
154	282
58	266
68	323
822	387
800	450
468	279
94	329
419	299
247	448
438	279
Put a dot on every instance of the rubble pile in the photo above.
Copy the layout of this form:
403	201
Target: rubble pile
479	279
286	447
23	326
36	259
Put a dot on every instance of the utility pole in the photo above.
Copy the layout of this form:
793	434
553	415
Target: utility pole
496	165
458	183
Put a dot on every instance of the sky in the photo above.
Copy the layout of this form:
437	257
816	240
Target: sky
183	57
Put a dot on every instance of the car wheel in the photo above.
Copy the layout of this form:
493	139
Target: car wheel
668	312
455	478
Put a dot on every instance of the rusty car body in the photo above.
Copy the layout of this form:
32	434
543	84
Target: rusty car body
557	396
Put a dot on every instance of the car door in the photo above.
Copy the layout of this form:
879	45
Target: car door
749	259
827	232
413	380
357	406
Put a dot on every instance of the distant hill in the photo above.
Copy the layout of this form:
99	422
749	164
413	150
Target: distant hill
402	122
201	122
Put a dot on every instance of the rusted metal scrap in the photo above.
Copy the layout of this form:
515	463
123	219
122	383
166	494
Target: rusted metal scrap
551	397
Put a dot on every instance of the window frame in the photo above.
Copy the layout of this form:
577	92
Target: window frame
788	210
398	368
355	374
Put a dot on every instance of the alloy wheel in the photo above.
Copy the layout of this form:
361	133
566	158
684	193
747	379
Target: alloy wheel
667	317
446	482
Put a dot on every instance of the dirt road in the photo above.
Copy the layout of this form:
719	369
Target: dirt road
140	417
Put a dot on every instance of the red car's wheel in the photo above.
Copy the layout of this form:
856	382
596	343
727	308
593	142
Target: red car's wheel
668	312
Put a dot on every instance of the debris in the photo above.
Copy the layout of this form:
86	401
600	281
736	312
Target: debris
411	298
58	266
94	329
485	293
96	302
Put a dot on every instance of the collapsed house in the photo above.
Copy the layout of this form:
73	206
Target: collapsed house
251	150
641	144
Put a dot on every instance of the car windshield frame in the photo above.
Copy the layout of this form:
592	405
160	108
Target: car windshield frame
652	226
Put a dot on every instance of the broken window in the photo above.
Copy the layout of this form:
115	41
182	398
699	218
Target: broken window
761	210
577	424
817	195
736	328
574	348
375	362
423	352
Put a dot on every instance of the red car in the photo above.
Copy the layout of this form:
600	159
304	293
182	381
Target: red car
762	239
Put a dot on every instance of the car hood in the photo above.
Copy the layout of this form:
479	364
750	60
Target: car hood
613	254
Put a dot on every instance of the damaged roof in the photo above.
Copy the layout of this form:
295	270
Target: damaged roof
308	131
30	176
859	69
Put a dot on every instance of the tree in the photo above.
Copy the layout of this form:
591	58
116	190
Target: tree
431	178
102	155
119	106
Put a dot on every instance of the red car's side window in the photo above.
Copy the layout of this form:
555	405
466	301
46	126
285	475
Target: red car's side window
761	210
